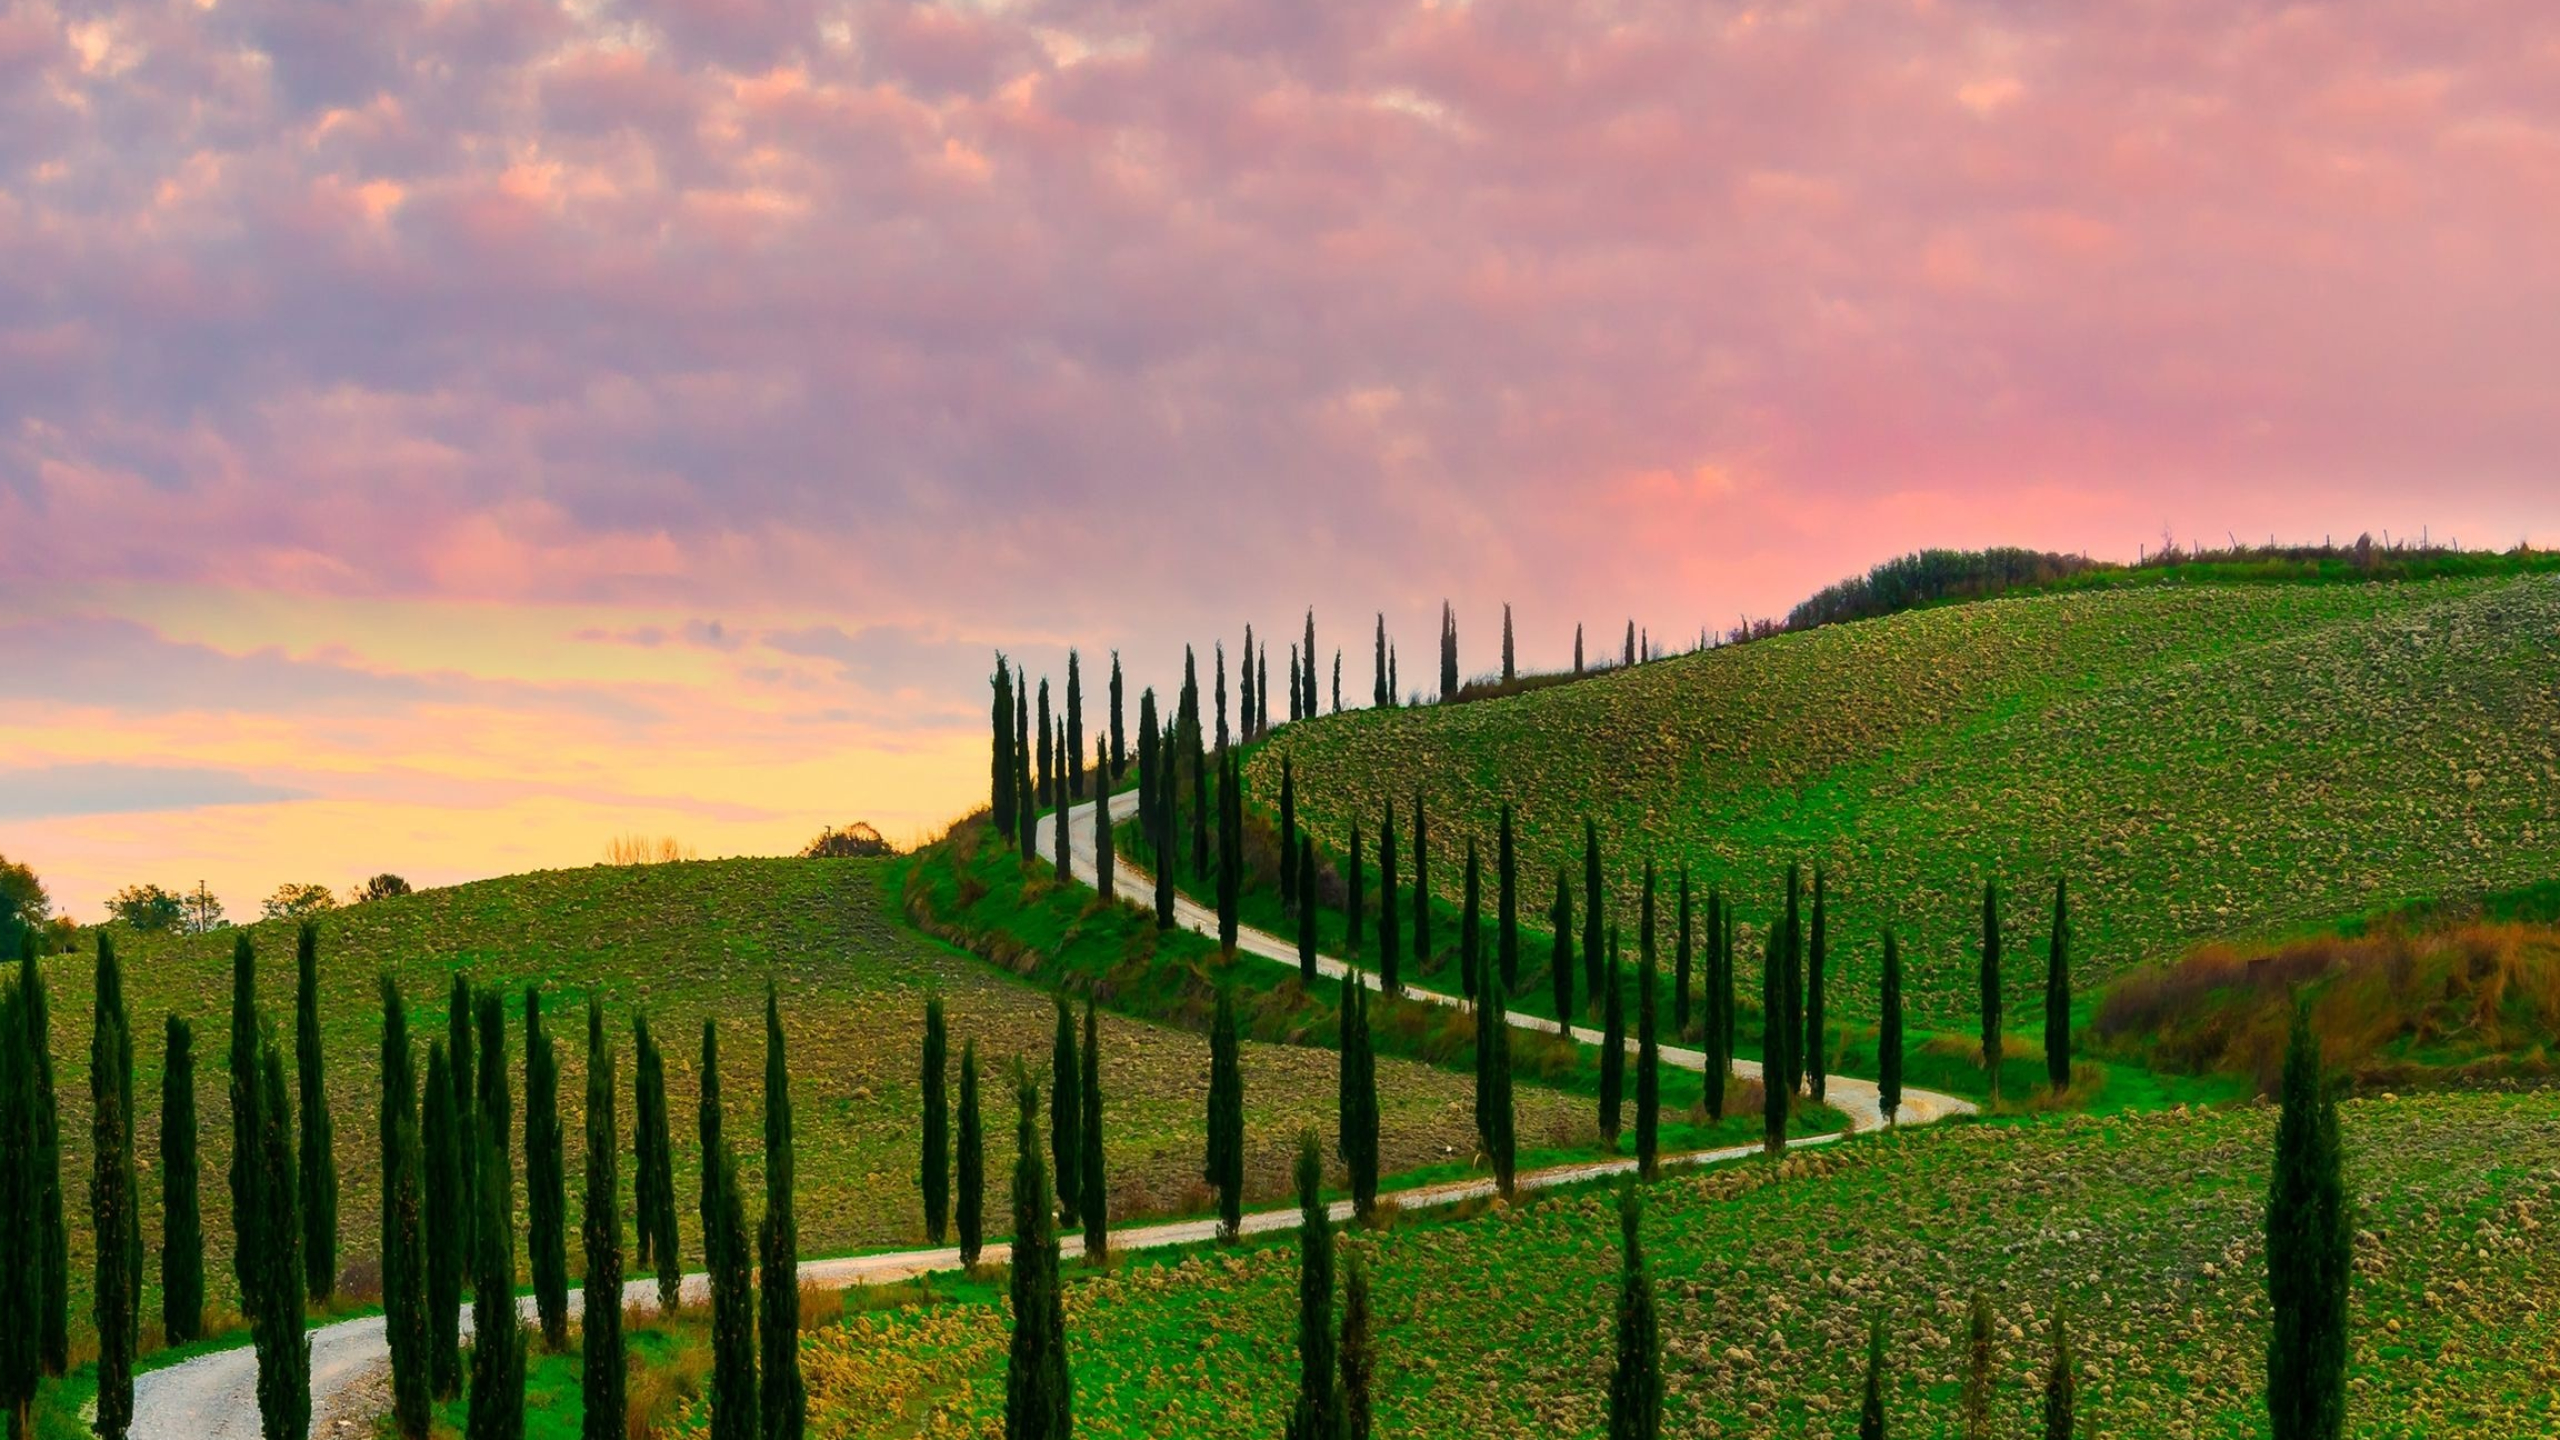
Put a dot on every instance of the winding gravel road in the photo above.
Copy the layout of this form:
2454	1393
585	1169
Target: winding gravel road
215	1396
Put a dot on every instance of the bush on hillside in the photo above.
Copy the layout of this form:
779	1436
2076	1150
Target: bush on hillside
853	842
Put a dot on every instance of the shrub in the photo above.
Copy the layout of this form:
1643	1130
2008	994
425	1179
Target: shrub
853	842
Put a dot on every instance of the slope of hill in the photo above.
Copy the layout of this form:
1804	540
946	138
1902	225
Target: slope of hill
687	942
2148	1230
2200	761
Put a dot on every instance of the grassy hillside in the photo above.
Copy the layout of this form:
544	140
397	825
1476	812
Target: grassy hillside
694	940
2202	762
2148	1229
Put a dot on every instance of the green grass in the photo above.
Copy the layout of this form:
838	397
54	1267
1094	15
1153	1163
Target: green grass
2202	761
2147	1228
694	940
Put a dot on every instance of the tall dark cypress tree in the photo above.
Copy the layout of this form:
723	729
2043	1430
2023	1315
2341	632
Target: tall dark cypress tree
1148	776
1167	790
1791	967
1501	1144
784	1400
1560	953
1356	1093
1106	857
545	1177
1507	915
1577	648
1038	1403
1390	941
2057	992
1337	680
1648	1075
1394	688
1889	1034
1774	1040
969	1167
1195	750
1288	836
247	1217
1470	925
1991	1046
600	1230
1066	1142
181	1208
1219	683
2061	1384
1000	764
1307	649
1093	1185
735	1398
1421	886
1297	691
707	1124
1025	793
111	1196
1719	995
404	1270
442	1199
1071	761
1871	1402
1119	735
653	1159
319	1157
1358	1366
1058	825
497	1337
1592	911
284	1352
1045	791
461	1016
1448	653
1613	1044
1230	851
1317	1411
1306	868
50	1236
1680	963
1379	694
2308	1252
1816	955
21	1265
1635	1386
1510	670
935	1166
1355	877
1245	688
1225	1168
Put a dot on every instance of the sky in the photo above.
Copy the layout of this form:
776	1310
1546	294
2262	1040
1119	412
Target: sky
440	437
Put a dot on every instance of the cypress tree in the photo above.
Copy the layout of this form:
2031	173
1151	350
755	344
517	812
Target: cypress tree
1356	1095
21	1263
1220	681
1635	1386
1225	1169
111	1195
970	1179
707	1124
653	1157
1000	763
319	1158
1072	758
1732	1006
1186	728
1119	736
1148	778
1390	941
1680	963
1297	691
1774	1040
284	1353
1262	717
1631	644
1244	682
1719	995
545	1178
461	1072
1648	1076
2061	1383
1394	687
247	1217
442	1214
1507	921
1358	1366
1230	851
1814	1063
936	1164
1337	680
1421	885
1889	1034
1592	902
1288	836
1470	946
1378	692
1510	671
2057	992
497	1337
734	1395
1500	1122
1448	653
1037	1399
784	1401
1613	1044
1577	649
1058	823
1560	953
1308	650
1092	1184
1166	791
2308	1252
1355	880
1106	857
1975	1405
1307	911
51	1237
1026	795
181	1209
404	1271
1045	791
600	1228
1991	1046
1317	1413
1871	1405
1791	993
1066	1144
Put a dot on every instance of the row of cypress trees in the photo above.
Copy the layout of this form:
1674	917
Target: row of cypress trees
1082	1193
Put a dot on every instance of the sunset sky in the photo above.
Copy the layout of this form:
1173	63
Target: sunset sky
438	437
